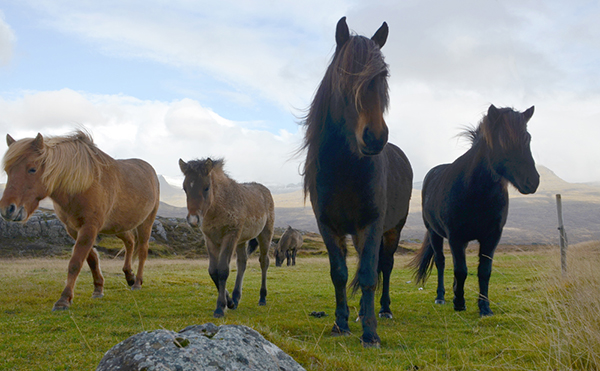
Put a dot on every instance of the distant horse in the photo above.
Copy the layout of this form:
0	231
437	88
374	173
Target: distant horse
92	193
359	184
230	214
288	246
468	200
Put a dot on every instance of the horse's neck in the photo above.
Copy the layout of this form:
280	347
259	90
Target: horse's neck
478	169
223	188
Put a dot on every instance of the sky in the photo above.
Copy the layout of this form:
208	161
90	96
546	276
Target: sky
163	80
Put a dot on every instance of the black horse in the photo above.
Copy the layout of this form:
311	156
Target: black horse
359	184
468	200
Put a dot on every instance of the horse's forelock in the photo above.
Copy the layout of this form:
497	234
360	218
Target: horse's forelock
200	166
358	62
16	151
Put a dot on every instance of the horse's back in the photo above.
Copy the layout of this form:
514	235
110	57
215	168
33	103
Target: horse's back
138	192
257	210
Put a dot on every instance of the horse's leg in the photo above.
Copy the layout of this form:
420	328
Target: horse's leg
242	258
460	273
389	245
228	244
213	259
83	244
369	245
336	249
288	254
437	243
484	272
94	262
129	241
142	238
294	256
264	241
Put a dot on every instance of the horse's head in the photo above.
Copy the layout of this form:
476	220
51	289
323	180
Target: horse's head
279	255
510	153
198	187
360	90
24	187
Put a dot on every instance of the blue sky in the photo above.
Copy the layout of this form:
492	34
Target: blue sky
163	80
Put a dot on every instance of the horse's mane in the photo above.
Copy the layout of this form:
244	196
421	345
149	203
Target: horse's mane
72	163
512	129
350	71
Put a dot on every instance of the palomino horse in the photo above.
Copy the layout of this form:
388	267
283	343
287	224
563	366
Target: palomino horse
92	193
468	200
359	184
230	215
287	247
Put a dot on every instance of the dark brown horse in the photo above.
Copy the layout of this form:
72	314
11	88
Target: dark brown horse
230	214
92	193
287	247
359	184
468	200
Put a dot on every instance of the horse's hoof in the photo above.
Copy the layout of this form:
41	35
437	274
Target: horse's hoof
97	295
486	313
262	302
371	341
136	287
218	313
337	331
460	309
440	301
61	305
385	315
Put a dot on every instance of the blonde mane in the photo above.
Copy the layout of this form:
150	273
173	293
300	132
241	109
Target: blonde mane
71	163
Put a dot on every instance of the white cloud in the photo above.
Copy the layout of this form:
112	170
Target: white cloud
7	41
158	132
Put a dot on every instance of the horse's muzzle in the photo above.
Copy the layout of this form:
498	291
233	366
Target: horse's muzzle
12	213
193	219
373	144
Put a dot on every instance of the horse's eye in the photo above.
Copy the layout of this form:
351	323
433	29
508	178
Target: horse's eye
32	170
206	189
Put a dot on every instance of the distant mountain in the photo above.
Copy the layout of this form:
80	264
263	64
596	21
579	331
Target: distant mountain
531	218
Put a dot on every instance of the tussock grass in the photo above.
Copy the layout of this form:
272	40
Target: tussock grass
573	318
528	331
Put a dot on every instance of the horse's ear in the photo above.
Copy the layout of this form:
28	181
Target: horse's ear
493	114
342	33
208	165
381	35
9	140
528	113
183	166
38	142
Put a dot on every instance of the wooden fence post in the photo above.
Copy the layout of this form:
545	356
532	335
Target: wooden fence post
563	236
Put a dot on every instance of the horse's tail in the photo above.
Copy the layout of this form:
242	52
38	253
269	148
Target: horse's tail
252	245
422	263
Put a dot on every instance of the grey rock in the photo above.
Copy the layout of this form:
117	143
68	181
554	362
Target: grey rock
198	347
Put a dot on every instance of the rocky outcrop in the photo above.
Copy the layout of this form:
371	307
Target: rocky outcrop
45	235
199	347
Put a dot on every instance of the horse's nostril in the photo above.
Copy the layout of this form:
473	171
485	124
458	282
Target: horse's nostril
11	209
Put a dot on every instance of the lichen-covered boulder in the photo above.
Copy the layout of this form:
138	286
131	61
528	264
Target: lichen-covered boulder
199	347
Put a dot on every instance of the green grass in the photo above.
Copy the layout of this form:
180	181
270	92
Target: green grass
178	293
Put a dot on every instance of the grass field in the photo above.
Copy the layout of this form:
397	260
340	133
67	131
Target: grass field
539	322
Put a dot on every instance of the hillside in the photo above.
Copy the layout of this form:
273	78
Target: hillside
532	218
